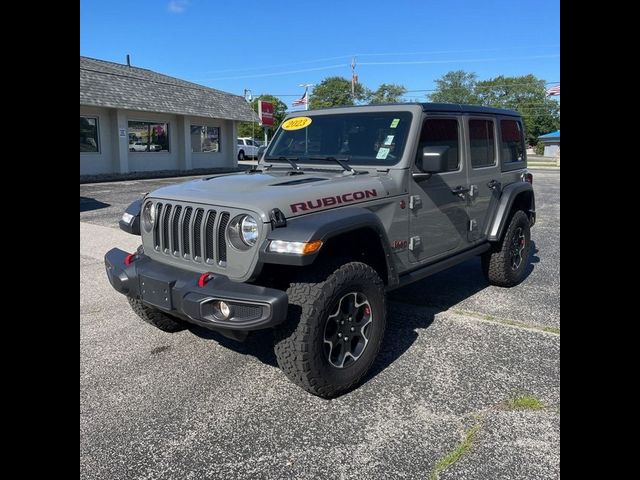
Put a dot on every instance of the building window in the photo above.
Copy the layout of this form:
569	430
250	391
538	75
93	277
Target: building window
148	136
512	141
205	139
89	134
482	143
442	132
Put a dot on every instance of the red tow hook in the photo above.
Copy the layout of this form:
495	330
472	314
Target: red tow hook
129	258
204	278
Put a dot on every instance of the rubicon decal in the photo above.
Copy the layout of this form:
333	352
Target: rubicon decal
330	201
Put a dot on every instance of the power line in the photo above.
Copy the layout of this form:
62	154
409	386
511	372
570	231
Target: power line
426	90
387	54
416	62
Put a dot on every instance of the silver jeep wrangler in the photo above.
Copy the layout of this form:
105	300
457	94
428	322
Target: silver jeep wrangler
346	204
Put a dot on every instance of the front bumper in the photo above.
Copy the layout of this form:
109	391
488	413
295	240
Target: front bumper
176	291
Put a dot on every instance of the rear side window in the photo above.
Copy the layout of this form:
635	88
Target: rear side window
482	143
511	141
442	132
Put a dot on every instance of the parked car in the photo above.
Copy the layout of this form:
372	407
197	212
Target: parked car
310	244
246	148
144	147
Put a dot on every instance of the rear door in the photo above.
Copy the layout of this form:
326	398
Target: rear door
438	216
484	172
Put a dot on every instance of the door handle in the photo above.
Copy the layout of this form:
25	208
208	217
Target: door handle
494	185
459	190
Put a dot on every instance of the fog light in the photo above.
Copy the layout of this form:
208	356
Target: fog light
221	310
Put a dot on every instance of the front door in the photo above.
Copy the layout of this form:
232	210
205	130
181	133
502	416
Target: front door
438	213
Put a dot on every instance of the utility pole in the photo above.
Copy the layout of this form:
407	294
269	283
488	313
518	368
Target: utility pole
354	77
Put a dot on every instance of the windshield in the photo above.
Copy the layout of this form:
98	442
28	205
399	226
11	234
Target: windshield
375	138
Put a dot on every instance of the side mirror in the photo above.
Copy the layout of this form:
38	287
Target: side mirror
433	160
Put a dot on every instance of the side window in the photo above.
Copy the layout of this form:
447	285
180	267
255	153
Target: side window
482	143
511	141
442	132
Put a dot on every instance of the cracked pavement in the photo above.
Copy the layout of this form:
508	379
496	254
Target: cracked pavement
196	405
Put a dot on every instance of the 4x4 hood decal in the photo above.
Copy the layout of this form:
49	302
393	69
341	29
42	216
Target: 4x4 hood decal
261	192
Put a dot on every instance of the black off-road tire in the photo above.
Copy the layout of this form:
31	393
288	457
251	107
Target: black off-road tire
498	263
155	317
299	342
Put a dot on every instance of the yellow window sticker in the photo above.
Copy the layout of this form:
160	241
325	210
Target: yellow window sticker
296	123
382	153
395	123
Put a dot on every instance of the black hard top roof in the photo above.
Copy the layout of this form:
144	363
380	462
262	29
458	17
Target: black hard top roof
431	107
461	108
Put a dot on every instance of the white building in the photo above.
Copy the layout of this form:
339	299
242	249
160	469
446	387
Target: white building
136	120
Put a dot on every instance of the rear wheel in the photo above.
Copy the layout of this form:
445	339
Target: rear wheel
155	317
506	263
241	155
334	329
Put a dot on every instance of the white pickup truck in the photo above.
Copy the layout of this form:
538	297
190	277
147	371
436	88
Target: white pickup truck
247	147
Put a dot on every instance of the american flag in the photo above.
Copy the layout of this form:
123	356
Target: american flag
554	90
300	101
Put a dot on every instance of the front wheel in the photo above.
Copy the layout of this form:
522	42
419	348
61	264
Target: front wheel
240	155
506	263
334	329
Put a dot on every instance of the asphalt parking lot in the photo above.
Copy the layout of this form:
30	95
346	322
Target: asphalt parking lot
195	405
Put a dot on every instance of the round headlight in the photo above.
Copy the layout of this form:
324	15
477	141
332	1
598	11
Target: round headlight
243	232
148	214
249	230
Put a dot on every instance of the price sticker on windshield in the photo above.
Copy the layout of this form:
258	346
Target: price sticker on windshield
296	123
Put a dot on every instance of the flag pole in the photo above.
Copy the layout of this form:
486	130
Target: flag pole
305	96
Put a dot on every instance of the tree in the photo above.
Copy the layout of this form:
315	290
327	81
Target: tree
527	95
456	87
388	93
335	91
249	129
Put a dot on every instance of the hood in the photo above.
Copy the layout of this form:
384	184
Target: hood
294	195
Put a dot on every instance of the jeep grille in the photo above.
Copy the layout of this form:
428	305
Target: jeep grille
192	233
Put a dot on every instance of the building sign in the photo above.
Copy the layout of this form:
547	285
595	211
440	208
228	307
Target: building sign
265	112
122	132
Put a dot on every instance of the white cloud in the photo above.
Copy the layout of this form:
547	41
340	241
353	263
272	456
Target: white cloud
177	6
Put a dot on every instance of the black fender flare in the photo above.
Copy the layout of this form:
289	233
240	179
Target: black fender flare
508	196
324	226
133	209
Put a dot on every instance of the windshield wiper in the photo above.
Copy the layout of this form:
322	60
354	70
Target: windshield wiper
291	160
340	161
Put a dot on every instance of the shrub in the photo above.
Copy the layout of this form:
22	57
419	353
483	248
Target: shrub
540	148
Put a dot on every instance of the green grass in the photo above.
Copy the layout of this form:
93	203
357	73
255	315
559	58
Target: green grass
453	456
524	402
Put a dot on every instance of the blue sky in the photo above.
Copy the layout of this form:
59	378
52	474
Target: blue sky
272	47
